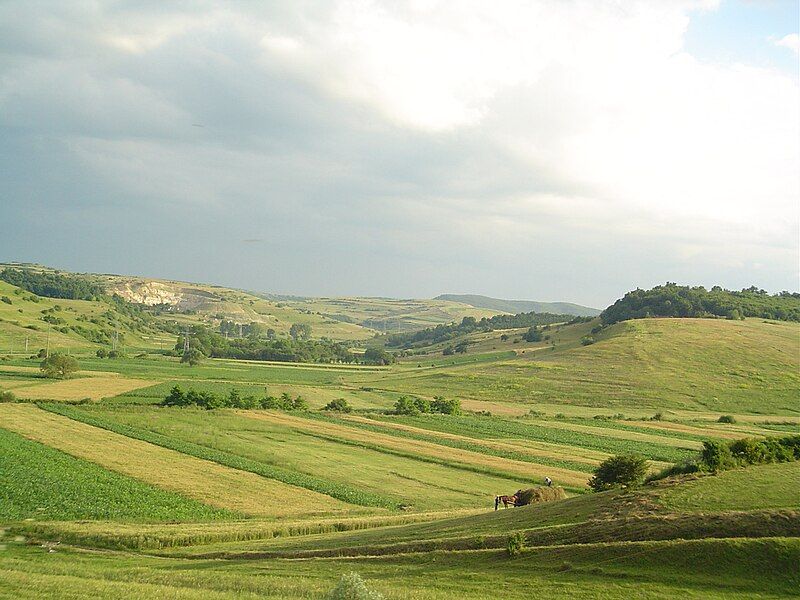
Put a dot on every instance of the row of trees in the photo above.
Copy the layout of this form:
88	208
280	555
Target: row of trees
672	300
206	343
443	333
408	405
209	400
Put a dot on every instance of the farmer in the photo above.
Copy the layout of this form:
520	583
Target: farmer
548	482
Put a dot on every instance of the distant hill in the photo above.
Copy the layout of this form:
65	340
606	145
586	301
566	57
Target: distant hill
520	306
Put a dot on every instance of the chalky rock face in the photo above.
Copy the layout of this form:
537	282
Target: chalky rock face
152	293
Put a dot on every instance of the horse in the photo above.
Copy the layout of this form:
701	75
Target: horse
506	500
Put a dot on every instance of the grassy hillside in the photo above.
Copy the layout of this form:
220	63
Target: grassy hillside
747	366
388	315
520	306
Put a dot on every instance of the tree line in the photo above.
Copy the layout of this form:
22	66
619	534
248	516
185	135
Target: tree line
52	285
672	300
443	333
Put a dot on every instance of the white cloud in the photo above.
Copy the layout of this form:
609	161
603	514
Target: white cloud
790	41
573	130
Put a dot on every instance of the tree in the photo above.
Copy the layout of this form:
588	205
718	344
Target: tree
405	406
377	356
300	331
533	335
58	366
622	470
338	405
445	406
102	353
192	357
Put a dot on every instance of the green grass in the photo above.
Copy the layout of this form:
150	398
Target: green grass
759	487
384	477
497	428
341	491
687	364
690	569
42	483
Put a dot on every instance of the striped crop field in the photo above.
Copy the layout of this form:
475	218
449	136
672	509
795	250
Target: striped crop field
406	477
94	388
39	482
527	470
202	480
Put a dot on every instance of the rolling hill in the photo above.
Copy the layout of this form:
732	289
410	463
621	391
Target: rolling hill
520	306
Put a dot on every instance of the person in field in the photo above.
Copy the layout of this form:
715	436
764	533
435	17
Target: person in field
548	482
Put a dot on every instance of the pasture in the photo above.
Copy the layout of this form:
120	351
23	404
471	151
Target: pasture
254	503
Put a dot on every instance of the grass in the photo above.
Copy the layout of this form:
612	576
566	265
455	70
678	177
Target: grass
753	568
202	480
762	487
38	482
553	432
689	364
364	475
94	388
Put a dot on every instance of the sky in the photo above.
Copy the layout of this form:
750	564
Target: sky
541	150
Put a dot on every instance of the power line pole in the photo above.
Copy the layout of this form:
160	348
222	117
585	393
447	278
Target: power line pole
186	335
47	350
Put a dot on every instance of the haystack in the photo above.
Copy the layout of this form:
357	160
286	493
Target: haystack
540	494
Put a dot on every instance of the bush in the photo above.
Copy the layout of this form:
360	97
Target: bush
338	405
717	456
726	419
58	366
619	471
6	299
587	341
515	543
192	357
446	407
6	396
406	406
102	353
352	587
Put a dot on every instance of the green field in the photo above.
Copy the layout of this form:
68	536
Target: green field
120	497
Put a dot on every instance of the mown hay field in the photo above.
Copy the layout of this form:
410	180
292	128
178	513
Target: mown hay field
93	388
204	481
409	478
39	482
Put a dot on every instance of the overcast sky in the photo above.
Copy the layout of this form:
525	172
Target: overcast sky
567	150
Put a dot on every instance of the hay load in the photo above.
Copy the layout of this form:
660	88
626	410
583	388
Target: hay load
539	494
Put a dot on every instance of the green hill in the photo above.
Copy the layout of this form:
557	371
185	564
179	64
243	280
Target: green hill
520	306
750	366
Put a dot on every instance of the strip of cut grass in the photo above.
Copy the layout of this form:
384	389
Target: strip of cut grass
343	492
39	482
756	487
409	479
203	480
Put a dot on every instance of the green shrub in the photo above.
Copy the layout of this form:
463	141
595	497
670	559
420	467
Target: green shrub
101	353
6	299
6	396
58	366
338	405
515	543
352	587
717	456
445	406
726	419
618	471
406	406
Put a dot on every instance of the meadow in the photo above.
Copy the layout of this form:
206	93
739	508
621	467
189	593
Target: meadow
257	503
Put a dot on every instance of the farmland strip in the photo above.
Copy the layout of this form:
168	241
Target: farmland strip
335	490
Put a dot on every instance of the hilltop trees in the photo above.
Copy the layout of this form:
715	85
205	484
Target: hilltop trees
672	300
58	366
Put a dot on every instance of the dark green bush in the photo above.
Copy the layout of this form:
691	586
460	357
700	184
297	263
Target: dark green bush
726	419
338	405
623	470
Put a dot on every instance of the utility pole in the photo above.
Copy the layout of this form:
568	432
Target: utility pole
26	344
186	335
116	336
47	349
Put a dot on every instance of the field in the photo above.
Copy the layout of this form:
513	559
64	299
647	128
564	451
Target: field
255	503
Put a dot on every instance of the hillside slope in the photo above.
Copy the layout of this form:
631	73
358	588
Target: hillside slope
519	306
750	366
